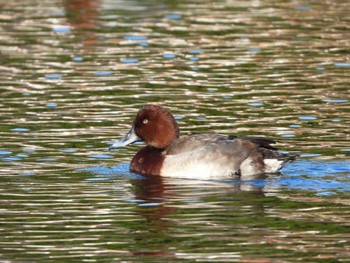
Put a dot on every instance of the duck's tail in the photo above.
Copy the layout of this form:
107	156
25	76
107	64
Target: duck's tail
264	161
274	161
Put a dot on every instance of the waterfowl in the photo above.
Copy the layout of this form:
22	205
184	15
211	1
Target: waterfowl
202	156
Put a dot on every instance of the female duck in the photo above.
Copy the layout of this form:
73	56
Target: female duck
201	156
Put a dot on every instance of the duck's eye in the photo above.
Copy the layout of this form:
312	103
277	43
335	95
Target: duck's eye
145	121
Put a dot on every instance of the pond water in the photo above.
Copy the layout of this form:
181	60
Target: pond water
74	73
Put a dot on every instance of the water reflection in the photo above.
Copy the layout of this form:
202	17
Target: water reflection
160	201
152	205
73	74
82	17
306	174
169	204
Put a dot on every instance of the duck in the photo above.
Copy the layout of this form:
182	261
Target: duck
198	155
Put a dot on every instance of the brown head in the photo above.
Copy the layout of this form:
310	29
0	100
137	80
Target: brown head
154	125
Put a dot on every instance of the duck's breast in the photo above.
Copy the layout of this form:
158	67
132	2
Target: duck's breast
147	161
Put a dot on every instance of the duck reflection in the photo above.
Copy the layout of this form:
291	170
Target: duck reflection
152	191
170	204
82	16
157	191
153	210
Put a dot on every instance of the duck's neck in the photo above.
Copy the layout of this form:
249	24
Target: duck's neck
165	135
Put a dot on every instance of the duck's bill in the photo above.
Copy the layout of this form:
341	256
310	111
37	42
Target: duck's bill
129	138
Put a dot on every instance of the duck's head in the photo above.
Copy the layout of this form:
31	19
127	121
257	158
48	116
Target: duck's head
153	125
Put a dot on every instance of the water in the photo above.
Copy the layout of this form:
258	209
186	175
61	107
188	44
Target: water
74	73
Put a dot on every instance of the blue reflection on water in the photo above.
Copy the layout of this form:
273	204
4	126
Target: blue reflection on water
22	155
307	118
316	175
28	174
135	38
318	168
51	105
169	55
103	73
20	130
336	100
53	76
61	29
144	44
323	177
149	204
100	156
5	152
336	120
342	64
310	155
11	159
78	59
129	60
195	52
121	169
172	16
256	104
288	135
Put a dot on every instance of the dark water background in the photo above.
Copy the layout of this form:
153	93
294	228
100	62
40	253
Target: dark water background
74	73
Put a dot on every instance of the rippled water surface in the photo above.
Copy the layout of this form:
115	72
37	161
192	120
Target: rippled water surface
73	74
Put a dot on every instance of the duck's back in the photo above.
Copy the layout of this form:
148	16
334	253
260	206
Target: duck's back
215	156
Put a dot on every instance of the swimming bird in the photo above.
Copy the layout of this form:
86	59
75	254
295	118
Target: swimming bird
201	156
